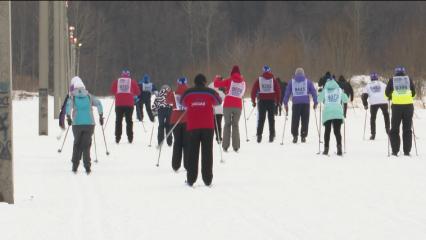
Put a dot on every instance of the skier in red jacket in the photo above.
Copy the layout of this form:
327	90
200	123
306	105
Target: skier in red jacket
180	145
268	92
124	89
199	102
235	87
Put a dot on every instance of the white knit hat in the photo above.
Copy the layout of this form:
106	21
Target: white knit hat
76	82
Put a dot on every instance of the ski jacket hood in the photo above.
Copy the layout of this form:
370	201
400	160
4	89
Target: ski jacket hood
331	84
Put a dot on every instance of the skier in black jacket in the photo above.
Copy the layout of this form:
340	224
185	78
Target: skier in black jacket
347	88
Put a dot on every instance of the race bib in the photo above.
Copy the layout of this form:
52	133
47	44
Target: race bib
123	85
237	89
401	84
266	85
147	87
299	88
375	87
333	96
178	103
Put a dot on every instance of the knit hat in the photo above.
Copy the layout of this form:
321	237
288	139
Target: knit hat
76	82
165	86
399	70
266	68
200	80
235	69
299	72
327	75
182	80
125	73
146	78
374	76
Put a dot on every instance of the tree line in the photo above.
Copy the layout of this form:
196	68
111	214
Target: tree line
172	39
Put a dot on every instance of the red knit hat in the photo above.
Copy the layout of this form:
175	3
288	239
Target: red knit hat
235	69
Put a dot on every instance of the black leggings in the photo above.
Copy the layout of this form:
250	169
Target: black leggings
337	124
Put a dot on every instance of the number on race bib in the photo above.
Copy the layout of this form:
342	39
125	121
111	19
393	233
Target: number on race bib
124	85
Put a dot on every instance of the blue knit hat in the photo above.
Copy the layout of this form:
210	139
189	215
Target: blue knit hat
182	80
266	68
146	78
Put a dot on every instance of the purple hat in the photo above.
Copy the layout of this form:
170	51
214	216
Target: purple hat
374	76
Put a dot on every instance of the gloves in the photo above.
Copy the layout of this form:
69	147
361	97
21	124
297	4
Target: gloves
101	119
69	121
254	104
366	107
315	106
286	108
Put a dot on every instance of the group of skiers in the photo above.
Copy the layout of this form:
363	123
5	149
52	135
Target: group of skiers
194	115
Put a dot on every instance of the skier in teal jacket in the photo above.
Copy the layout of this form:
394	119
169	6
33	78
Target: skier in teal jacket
80	115
333	99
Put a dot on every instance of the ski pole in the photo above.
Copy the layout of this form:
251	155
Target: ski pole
414	136
152	131
110	110
285	123
252	110
143	125
66	133
106	147
245	120
353	107
344	136
320	124
218	142
388	145
96	152
365	123
319	135
388	131
167	135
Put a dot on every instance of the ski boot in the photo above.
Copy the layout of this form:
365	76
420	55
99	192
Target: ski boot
303	139
271	138
325	151
74	168
259	138
372	137
295	139
339	150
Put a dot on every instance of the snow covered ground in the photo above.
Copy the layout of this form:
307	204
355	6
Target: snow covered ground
266	191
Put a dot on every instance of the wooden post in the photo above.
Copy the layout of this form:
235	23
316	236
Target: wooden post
6	126
43	79
56	68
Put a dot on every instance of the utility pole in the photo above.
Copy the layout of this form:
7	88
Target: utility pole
43	74
6	126
56	59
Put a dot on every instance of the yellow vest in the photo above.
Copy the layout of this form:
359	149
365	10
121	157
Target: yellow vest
401	93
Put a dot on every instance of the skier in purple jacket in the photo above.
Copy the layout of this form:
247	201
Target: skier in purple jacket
299	88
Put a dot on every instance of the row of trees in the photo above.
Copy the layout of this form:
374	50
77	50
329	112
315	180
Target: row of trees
171	39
